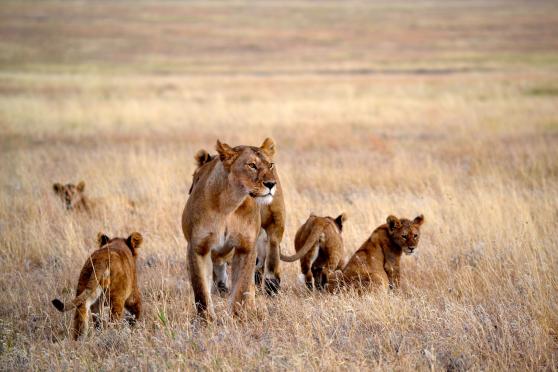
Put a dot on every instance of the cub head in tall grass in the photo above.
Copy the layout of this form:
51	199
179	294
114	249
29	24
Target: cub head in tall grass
319	247
72	196
222	213
377	262
107	277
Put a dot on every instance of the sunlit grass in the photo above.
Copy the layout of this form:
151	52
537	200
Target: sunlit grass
474	150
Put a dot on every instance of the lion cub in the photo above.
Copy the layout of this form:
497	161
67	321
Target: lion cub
319	246
111	271
376	262
72	195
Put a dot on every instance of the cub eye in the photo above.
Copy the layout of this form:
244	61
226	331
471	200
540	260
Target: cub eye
253	166
271	165
416	236
404	237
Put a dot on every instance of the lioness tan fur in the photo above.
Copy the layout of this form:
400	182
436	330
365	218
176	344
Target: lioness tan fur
72	196
377	262
319	247
222	214
268	268
109	271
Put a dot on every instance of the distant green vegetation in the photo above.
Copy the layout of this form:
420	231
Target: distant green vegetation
544	91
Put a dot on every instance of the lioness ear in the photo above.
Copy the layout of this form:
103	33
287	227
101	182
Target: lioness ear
225	151
419	220
134	240
268	147
393	222
102	239
57	187
80	186
340	220
202	157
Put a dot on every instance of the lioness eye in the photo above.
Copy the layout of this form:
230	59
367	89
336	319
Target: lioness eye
404	237
253	166
416	236
271	165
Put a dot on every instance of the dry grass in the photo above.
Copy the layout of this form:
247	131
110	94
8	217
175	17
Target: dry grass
446	109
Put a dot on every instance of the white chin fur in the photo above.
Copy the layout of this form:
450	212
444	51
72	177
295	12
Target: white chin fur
264	200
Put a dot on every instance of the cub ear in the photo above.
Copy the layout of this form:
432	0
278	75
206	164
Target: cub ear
419	220
80	186
57	187
202	157
393	222
102	239
268	147
134	240
340	220
225	151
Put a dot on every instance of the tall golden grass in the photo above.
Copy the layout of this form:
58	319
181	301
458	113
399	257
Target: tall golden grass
445	109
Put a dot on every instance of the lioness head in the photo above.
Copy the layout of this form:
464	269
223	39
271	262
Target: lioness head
405	233
251	168
71	194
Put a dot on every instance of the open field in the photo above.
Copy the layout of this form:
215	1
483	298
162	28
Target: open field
444	108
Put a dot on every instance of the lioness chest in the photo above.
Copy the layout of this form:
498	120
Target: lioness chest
238	230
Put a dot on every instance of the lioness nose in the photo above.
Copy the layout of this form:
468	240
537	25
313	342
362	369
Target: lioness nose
269	184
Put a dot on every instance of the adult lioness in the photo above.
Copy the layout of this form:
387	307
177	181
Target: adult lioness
319	246
376	263
222	214
111	270
272	228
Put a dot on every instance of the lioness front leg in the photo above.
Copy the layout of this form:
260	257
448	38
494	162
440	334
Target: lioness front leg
262	247
272	263
200	270
243	290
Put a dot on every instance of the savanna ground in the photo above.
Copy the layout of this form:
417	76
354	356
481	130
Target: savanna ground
444	108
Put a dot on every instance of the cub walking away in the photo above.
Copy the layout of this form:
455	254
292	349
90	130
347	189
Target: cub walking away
110	270
319	247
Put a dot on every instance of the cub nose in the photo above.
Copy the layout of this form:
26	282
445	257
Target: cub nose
269	184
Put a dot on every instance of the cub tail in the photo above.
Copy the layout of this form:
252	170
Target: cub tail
90	294
316	236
